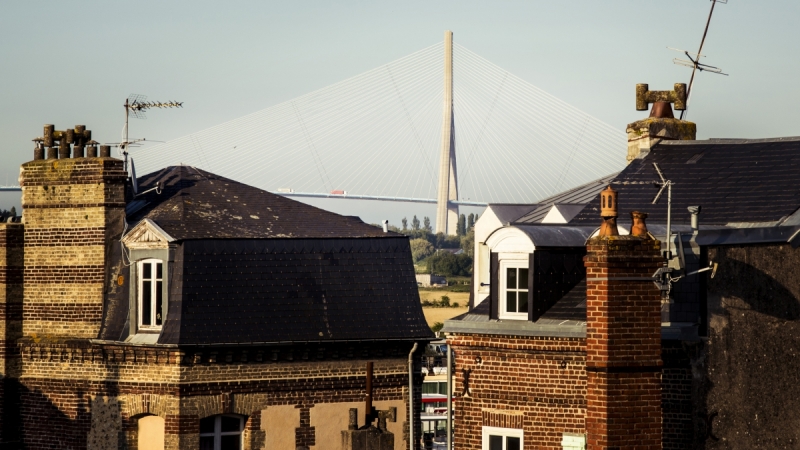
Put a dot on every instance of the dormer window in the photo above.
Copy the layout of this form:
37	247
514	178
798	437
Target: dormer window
514	290
151	293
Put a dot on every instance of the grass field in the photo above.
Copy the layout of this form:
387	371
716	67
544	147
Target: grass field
433	315
462	298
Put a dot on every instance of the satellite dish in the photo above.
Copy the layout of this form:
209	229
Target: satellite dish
133	178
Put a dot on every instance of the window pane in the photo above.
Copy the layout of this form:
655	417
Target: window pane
230	443
523	301
207	443
443	387
207	425
429	388
147	306
523	278
147	271
159	295
511	278
231	423
511	301
158	270
495	442
512	443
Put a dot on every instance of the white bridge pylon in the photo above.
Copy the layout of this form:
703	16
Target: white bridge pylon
379	134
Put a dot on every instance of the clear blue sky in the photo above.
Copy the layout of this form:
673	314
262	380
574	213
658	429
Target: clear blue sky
74	62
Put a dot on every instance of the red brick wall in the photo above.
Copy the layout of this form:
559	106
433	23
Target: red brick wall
536	383
623	344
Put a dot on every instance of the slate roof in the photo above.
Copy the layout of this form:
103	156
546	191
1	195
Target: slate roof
735	182
196	204
293	290
570	199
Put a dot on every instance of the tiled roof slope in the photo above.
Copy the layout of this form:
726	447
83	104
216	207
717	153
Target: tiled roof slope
578	195
281	290
196	204
734	181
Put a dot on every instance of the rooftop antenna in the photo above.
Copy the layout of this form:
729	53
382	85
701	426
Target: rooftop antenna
665	184
694	63
136	105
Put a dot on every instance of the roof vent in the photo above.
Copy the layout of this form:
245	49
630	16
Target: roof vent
386	226
695	211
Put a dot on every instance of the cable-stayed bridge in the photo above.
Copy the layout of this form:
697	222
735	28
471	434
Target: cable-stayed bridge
384	134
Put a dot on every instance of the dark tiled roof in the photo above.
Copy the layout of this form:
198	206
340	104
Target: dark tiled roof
733	181
196	204
280	290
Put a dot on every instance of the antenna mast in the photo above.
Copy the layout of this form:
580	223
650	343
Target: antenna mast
136	105
694	62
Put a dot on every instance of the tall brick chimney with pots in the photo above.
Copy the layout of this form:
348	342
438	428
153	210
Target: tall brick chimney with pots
74	216
662	124
623	340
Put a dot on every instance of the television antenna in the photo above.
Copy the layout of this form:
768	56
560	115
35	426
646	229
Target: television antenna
665	184
663	276
694	63
136	105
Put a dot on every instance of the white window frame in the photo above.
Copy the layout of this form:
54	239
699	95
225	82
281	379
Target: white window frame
153	293
218	433
505	432
517	263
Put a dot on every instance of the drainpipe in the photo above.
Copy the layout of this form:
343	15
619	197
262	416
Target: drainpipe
411	445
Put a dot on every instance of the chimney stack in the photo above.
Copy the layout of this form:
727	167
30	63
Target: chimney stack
662	124
623	341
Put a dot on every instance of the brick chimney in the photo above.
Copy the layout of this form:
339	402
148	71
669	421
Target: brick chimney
74	214
662	124
623	342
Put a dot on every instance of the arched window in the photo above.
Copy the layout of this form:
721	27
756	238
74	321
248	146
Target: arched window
223	432
150	433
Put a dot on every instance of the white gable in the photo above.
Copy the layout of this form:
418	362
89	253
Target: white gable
147	234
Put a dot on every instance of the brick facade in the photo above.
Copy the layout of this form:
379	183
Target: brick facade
534	384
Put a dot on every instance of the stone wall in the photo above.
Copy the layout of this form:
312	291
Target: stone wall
751	367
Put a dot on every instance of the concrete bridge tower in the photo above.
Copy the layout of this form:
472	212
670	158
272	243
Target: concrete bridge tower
446	210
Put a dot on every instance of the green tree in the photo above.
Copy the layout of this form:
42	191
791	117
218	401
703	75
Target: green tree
461	227
427	224
420	249
468	243
448	264
470	221
415	223
13	212
405	223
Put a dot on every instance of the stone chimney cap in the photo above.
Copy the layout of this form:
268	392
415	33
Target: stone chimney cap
644	96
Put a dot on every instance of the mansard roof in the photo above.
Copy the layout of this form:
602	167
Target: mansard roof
195	204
